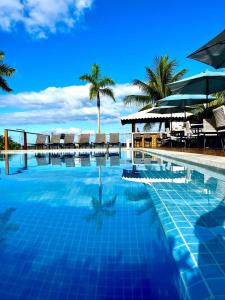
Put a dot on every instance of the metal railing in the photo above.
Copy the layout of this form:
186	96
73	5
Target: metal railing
26	138
23	138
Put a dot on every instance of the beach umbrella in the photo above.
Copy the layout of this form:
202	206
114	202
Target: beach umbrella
185	100
213	53
204	83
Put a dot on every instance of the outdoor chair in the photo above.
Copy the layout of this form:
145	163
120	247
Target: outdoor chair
159	139
137	140
55	141
219	114
169	139
100	140
209	130
69	140
84	140
189	136
114	140
40	141
147	141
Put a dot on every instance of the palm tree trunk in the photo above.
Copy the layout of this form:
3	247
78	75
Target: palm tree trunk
98	108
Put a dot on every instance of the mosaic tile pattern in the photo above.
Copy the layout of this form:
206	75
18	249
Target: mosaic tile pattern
192	214
72	228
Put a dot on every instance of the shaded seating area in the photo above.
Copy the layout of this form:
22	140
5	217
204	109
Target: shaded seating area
207	133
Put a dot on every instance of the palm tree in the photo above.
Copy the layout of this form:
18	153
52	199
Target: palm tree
101	208
155	87
5	71
98	86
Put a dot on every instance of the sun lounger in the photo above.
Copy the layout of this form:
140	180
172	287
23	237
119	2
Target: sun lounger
114	140
40	141
100	140
84	140
69	140
55	141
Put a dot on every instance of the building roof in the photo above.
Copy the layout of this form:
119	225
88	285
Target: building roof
147	116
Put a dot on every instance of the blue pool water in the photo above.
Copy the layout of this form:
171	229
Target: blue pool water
129	226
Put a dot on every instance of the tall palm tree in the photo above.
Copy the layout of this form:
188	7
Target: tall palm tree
5	71
155	87
98	86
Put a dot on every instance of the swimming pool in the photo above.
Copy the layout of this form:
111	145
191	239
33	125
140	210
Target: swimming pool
123	226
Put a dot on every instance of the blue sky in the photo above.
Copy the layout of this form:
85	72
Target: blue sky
51	43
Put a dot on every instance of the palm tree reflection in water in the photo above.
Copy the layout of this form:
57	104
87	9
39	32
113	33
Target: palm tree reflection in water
144	197
101	208
5	226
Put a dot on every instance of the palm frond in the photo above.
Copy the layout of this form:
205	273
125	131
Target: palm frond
88	78
179	75
137	100
4	85
142	85
93	91
95	72
6	70
147	127
105	81
107	92
2	55
148	106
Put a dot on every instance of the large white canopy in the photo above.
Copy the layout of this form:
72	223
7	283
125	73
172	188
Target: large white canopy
147	116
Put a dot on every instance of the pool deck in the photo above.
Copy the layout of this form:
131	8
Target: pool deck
215	160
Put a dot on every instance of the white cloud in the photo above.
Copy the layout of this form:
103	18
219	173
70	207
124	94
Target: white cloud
71	130
42	17
60	105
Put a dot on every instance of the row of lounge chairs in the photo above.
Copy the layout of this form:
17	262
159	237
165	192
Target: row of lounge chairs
83	141
84	159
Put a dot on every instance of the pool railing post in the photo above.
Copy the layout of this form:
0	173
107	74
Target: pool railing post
48	141
6	139
24	140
